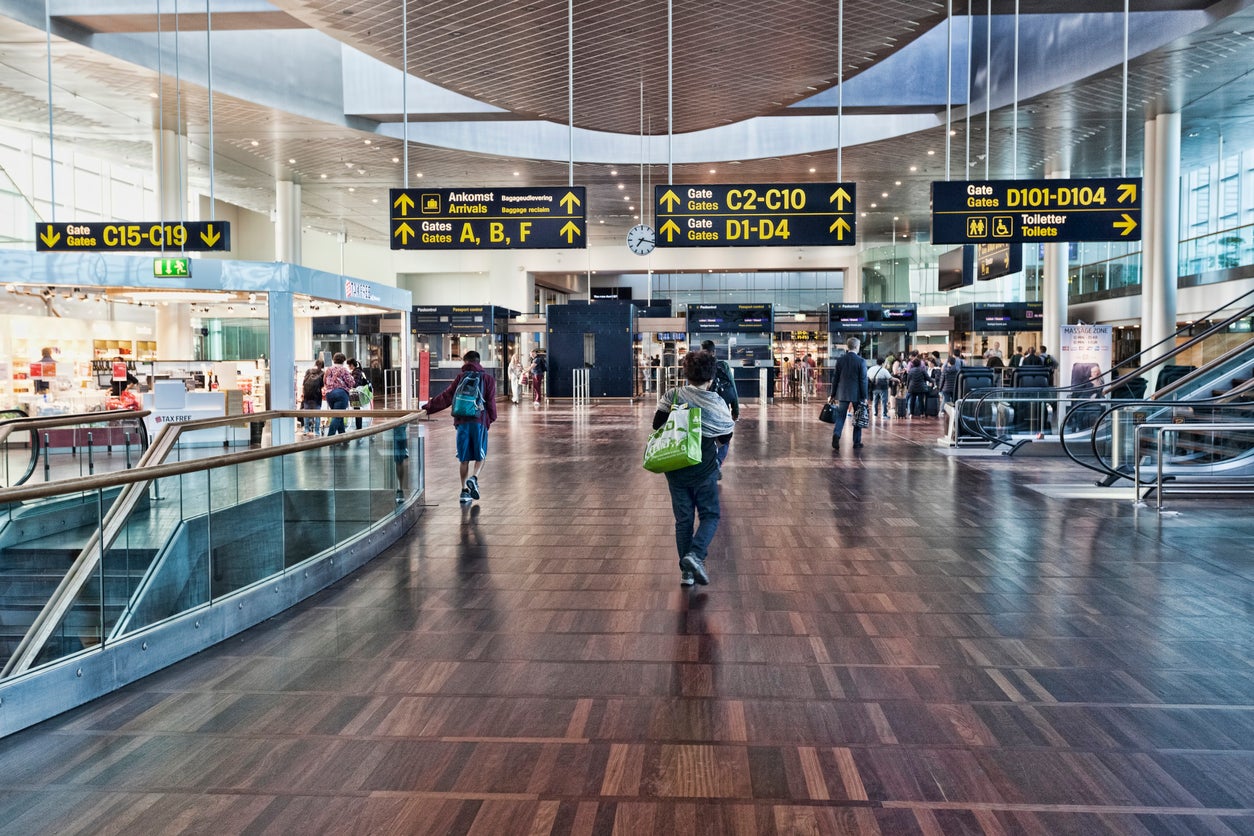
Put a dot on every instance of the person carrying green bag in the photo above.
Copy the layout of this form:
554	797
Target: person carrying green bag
694	488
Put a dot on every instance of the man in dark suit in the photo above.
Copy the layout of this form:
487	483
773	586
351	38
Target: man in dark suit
849	388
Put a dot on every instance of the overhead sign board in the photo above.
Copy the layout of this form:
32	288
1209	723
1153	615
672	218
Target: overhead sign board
730	319
1036	211
778	215
488	218
872	317
146	236
992	261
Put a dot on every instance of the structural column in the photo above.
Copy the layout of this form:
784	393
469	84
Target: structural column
282	360
1054	288
169	161
287	222
1149	204
1166	231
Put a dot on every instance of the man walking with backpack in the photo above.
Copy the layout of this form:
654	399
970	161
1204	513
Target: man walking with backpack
472	396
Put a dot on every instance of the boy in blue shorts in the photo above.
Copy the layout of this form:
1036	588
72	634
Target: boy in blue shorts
472	432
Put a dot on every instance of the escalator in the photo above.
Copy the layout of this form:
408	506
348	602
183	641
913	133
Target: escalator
998	415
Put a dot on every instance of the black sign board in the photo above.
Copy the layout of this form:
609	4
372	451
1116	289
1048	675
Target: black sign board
776	215
453	319
730	319
488	219
145	236
1006	316
955	269
872	317
992	261
1036	211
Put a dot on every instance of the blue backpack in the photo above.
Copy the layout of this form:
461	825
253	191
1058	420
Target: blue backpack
468	396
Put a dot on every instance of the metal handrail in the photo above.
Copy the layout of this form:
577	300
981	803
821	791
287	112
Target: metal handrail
145	470
34	424
1163	430
41	629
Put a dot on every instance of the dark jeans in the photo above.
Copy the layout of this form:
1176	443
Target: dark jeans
917	401
879	398
842	410
699	502
336	399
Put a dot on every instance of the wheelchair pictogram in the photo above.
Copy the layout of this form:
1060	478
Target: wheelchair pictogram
1003	226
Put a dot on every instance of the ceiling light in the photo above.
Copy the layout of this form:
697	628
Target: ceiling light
914	168
396	159
931	153
813	170
621	186
896	182
614	172
292	161
352	188
874	205
712	171
323	176
515	173
883	194
255	143
348	165
368	141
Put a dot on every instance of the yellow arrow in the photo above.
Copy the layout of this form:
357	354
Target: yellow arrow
670	228
840	195
570	230
1127	224
49	237
840	226
569	202
405	202
1127	192
405	231
670	199
209	236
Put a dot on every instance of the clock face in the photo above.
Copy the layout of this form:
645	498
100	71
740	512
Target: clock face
640	239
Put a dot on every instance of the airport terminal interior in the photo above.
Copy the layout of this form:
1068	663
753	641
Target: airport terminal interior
1014	595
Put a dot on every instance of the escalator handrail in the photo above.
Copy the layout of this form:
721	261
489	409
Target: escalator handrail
1116	406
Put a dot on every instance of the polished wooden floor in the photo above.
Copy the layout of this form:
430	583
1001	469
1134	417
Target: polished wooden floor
895	640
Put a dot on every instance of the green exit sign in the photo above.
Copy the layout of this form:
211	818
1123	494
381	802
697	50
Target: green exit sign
171	268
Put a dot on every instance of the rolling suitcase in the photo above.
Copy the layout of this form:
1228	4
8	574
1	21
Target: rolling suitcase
901	407
931	404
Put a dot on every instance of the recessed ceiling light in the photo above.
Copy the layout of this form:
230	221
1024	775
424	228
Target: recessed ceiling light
352	188
931	153
621	186
813	170
323	176
153	96
292	161
515	173
368	142
874	205
614	172
255	143
883	194
396	159
713	171
914	168
896	182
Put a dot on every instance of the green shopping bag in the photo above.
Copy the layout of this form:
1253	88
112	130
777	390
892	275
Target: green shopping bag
677	443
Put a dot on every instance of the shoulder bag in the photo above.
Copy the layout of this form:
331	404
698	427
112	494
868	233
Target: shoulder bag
828	413
677	443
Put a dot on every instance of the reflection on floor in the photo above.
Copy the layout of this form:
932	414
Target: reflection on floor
894	641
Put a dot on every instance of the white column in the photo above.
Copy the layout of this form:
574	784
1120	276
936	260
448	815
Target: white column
169	162
287	222
1166	240
1149	203
282	361
1054	287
